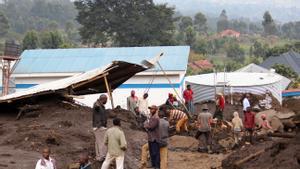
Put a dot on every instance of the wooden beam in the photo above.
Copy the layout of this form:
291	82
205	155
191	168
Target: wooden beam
90	80
108	89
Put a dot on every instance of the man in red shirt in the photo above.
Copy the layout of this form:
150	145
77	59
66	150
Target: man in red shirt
188	97
249	123
220	105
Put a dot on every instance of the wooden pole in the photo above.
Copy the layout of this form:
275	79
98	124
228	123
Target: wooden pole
109	92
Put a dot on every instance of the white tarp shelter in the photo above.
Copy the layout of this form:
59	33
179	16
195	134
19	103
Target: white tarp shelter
205	86
254	68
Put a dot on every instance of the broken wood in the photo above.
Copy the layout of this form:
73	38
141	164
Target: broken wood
283	135
73	96
109	92
238	163
71	104
25	109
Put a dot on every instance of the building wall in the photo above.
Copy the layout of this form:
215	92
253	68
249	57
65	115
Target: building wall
156	84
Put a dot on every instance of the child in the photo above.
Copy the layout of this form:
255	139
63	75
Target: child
237	127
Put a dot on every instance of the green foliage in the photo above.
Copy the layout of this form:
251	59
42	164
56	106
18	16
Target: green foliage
4	25
239	26
269	24
278	50
25	15
255	28
200	22
202	46
125	23
223	22
259	50
291	30
190	35
285	71
185	22
51	40
31	40
235	51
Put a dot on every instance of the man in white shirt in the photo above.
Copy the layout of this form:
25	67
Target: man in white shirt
46	162
143	105
246	103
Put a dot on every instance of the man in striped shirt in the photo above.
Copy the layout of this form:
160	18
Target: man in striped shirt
179	117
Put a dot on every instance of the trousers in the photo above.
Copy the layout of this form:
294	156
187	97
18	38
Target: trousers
163	156
154	153
100	148
182	123
109	158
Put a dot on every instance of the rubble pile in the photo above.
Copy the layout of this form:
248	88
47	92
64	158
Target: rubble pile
279	154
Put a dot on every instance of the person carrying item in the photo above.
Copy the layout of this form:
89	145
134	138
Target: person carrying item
46	162
179	117
115	140
188	98
249	123
152	127
99	126
132	101
237	127
204	122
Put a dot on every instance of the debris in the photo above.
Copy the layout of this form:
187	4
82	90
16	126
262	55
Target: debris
238	163
283	135
26	109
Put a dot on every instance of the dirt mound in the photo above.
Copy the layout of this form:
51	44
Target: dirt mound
292	104
280	154
65	128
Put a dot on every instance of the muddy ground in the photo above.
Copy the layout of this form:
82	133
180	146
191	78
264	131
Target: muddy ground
66	129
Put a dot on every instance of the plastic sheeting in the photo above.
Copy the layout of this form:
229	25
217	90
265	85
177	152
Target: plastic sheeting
256	83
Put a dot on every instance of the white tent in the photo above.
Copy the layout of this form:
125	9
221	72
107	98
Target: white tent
205	86
253	68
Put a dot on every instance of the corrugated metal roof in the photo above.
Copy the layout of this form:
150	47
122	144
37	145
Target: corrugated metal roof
84	59
290	59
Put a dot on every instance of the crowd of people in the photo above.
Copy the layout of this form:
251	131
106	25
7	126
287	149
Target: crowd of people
111	144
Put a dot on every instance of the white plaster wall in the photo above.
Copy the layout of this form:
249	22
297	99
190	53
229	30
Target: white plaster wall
156	96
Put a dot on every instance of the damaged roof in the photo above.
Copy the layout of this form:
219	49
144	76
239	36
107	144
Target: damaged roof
90	82
85	59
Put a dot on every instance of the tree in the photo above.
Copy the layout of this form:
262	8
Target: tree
125	22
240	26
259	50
285	71
222	23
51	40
235	51
4	25
291	30
31	40
190	36
202	46
200	22
185	22
269	24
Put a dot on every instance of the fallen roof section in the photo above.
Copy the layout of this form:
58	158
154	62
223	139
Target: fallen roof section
90	82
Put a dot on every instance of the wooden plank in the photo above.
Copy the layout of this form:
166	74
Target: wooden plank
238	163
109	92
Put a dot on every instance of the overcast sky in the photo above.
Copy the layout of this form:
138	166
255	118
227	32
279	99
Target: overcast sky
288	3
